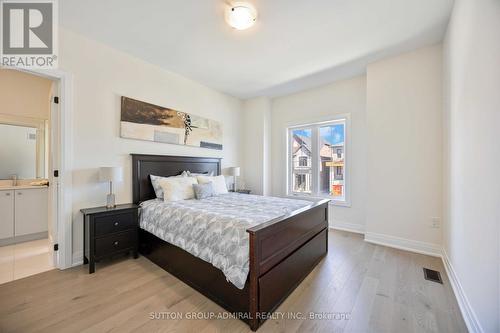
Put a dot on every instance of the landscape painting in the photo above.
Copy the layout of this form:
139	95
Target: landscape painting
144	121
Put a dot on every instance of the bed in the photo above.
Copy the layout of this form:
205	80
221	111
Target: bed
281	251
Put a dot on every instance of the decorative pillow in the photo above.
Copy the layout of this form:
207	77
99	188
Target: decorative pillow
178	188
202	191
194	174
219	183
155	181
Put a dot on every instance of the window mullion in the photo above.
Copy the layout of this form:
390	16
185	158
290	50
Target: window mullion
315	161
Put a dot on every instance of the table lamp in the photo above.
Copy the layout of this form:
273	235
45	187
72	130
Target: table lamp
110	174
235	172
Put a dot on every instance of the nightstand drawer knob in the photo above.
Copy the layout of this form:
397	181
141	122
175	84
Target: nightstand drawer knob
116	224
115	243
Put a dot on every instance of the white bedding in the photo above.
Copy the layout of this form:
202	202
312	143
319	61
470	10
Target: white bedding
214	229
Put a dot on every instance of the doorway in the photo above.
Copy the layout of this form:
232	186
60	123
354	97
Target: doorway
36	248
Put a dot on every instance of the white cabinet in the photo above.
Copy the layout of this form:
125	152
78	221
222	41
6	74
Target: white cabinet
31	215
6	214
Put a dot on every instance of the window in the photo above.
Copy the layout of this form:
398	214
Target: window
301	162
339	173
317	160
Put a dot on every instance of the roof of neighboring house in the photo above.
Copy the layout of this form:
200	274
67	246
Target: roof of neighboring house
304	142
301	142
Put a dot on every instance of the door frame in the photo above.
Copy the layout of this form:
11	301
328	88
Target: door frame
64	213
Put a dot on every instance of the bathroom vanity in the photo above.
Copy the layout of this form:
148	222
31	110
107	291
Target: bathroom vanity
23	172
23	213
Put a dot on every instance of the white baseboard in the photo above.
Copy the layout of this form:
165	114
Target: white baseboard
77	259
404	244
350	227
434	250
468	313
24	238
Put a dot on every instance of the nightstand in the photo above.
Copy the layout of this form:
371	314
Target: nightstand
109	231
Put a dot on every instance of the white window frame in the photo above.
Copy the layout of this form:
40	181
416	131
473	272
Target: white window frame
314	126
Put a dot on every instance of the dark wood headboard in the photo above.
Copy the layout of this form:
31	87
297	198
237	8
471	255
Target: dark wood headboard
160	165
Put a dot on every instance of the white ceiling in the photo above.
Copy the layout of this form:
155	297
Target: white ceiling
295	44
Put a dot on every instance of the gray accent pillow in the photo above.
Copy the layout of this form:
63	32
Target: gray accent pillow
155	181
202	191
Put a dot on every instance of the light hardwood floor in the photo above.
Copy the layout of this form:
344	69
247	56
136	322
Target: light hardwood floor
379	288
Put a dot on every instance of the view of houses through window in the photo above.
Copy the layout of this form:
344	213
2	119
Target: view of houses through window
302	160
317	159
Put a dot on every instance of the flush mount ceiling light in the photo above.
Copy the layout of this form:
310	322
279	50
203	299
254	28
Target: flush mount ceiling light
241	15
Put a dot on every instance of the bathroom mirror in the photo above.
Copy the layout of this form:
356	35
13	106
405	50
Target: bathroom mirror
22	150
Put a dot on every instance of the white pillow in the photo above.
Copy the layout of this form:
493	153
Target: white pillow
155	181
219	183
178	188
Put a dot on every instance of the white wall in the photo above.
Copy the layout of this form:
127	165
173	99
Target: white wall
101	76
319	104
472	158
256	144
24	95
404	121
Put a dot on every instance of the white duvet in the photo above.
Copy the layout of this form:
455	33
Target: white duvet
214	229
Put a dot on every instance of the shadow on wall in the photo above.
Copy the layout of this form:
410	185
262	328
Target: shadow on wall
88	191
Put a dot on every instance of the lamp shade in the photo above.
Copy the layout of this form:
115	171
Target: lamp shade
110	174
234	171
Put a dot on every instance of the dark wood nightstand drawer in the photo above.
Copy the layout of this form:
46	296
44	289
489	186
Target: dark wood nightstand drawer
109	224
115	242
109	231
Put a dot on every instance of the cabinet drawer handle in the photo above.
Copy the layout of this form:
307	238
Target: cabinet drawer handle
115	243
116	224
19	193
7	194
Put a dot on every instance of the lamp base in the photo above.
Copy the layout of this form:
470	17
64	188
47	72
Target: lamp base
110	201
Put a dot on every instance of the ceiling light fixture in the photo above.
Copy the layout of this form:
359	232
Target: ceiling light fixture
241	15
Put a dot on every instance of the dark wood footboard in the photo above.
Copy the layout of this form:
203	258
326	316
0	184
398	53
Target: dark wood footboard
282	253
